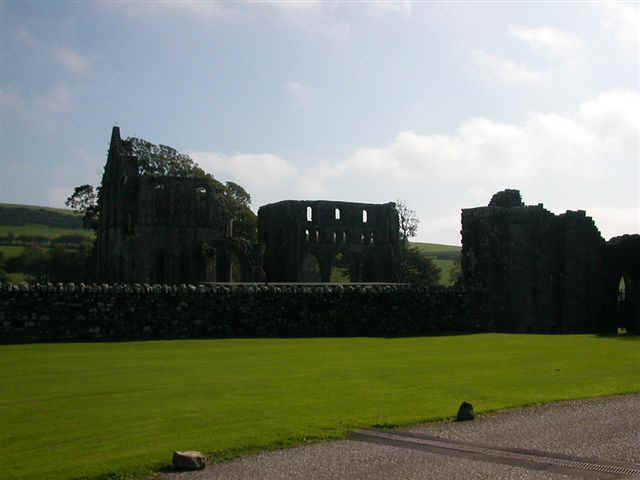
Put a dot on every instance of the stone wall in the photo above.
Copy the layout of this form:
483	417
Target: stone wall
299	233
48	313
538	272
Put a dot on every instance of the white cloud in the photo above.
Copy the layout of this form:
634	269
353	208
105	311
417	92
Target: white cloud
56	196
507	71
623	19
9	98
548	40
71	60
297	94
58	99
203	10
585	160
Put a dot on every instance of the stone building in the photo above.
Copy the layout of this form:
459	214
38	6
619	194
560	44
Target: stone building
303	239
165	229
541	272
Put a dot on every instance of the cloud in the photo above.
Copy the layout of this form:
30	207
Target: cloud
297	94
57	99
584	160
71	60
56	196
507	71
204	10
549	41
623	20
9	98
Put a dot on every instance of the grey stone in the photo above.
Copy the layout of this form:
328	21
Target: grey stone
465	412
190	460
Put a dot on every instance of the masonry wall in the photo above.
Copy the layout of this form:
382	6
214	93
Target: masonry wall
538	272
131	312
294	231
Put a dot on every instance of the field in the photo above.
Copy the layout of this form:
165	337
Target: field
43	230
444	256
10	251
83	410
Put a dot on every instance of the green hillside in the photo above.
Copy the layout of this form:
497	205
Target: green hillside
21	215
444	256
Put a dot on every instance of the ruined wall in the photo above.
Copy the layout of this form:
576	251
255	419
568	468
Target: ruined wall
538	272
163	229
45	313
623	261
299	233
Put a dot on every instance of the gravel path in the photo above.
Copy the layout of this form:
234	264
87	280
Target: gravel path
596	430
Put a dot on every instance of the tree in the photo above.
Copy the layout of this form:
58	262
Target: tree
163	161
83	202
418	269
408	221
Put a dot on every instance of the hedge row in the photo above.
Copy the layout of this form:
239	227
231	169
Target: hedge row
45	313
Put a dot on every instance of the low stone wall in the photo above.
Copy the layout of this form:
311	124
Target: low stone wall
52	313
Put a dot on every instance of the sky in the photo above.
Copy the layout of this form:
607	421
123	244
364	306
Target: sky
438	104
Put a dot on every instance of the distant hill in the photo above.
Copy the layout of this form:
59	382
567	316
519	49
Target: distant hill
444	256
15	215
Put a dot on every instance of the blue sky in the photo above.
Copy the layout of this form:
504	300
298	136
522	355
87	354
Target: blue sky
439	104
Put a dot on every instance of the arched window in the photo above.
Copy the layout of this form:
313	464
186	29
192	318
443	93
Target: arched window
317	236
306	235
344	237
337	214
362	238
335	237
309	214
364	216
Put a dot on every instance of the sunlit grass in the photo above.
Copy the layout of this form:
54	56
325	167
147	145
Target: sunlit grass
83	410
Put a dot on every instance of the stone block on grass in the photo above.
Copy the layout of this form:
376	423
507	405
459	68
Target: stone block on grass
190	460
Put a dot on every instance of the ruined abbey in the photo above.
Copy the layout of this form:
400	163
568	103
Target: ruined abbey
540	272
165	229
528	269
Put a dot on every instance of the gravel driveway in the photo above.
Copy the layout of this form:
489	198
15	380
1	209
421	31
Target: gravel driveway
597	438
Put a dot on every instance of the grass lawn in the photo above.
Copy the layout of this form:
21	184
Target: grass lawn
435	248
44	230
82	410
10	251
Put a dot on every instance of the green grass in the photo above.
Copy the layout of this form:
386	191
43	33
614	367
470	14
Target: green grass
433	249
10	251
63	211
83	410
43	230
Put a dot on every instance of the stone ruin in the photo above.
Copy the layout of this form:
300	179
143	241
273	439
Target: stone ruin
303	239
540	272
164	229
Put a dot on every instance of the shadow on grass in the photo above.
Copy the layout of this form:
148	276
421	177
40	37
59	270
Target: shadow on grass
620	336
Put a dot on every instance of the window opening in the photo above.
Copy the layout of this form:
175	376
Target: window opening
337	213
364	216
317	236
335	237
306	235
309	214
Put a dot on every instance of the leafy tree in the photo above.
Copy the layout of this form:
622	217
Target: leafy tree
68	265
455	272
83	202
418	269
163	161
408	221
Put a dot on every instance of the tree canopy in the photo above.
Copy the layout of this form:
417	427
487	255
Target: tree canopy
408	221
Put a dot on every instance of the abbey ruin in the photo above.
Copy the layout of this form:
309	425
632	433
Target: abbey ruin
540	272
165	229
303	239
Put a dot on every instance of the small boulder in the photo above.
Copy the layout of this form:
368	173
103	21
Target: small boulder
465	412
189	460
